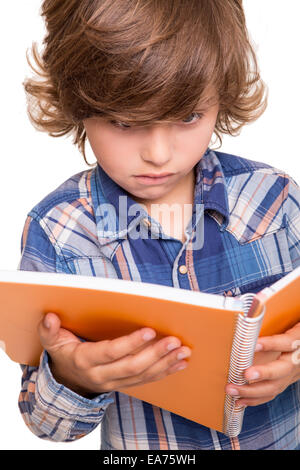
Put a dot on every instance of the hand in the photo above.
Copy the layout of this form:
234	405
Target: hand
97	367
269	380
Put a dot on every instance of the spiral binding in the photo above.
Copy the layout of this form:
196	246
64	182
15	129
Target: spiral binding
245	337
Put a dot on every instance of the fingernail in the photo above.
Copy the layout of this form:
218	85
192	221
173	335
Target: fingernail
258	347
149	335
183	366
240	403
232	391
172	346
253	375
182	355
47	323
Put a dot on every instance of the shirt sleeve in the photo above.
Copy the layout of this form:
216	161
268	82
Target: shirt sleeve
49	409
291	209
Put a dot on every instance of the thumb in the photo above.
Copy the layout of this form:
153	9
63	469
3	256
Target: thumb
52	336
48	330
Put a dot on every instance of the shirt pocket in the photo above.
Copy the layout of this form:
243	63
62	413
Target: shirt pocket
260	263
98	266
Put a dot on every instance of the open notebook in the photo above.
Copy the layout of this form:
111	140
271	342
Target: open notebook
221	331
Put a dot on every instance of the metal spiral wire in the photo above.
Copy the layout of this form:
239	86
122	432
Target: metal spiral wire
245	337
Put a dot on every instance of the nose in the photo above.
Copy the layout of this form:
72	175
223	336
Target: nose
157	149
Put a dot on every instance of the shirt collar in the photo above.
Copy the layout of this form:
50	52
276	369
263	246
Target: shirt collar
117	213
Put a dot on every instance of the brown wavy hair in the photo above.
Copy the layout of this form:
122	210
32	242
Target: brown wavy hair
140	62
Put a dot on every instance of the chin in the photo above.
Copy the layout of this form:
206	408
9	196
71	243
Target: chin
150	195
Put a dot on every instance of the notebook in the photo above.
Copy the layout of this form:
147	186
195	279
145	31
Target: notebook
221	331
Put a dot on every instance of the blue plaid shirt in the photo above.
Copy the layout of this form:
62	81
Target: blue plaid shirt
251	223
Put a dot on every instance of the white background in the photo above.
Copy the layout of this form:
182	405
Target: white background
34	164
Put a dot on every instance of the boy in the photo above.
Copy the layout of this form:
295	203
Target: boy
148	83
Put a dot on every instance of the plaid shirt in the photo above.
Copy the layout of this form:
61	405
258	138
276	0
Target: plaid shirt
251	239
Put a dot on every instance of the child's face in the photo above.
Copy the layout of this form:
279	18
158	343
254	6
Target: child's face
126	153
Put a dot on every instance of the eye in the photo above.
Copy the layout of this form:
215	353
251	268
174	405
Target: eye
194	117
120	125
190	118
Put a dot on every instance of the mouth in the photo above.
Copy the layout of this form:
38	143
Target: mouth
158	175
153	179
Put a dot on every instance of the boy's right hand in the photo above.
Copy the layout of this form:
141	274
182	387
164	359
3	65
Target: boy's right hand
92	368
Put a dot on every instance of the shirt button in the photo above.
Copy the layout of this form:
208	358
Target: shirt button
183	269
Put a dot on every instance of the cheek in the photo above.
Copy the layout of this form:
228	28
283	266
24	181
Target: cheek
195	142
109	147
205	133
115	164
109	151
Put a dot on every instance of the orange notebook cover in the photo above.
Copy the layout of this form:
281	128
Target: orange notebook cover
216	328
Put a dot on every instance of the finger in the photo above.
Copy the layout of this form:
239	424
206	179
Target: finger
48	330
176	367
169	362
134	380
93	354
138	364
280	343
150	358
52	336
272	371
253	401
255	390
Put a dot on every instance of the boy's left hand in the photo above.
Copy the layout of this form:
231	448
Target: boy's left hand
271	379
